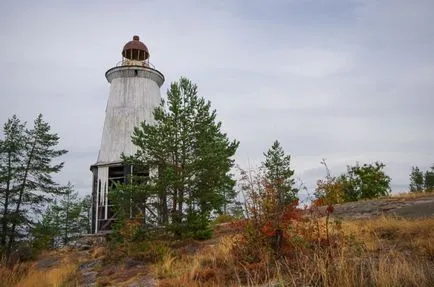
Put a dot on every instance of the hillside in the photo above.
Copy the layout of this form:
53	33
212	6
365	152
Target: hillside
388	242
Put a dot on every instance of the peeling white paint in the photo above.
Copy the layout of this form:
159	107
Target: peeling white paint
102	183
134	93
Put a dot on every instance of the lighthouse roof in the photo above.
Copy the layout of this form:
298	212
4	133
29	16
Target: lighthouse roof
135	50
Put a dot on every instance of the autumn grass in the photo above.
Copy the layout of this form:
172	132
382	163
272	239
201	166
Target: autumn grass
10	275
27	274
414	237
385	251
412	195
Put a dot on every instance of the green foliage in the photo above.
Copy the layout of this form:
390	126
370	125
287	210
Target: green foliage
26	169
279	173
198	226
365	181
429	180
63	221
156	251
189	159
422	181
72	213
46	231
85	216
416	180
330	191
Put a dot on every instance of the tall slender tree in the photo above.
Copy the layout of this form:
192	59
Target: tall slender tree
416	180
429	180
189	158
279	173
26	178
11	155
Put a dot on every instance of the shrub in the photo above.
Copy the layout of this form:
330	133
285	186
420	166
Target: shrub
329	191
198	226
365	181
270	226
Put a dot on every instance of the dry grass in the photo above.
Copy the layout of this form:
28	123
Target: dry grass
200	269
63	273
415	237
9	276
383	251
56	276
411	195
377	252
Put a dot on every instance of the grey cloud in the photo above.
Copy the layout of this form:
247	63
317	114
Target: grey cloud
347	80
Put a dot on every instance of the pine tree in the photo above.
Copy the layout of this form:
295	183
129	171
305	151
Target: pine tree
279	173
70	212
11	154
46	233
429	180
191	160
86	214
26	157
416	180
64	220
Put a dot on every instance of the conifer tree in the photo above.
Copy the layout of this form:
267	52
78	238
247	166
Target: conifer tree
416	180
64	220
11	155
279	173
46	233
189	158
26	183
72	215
429	180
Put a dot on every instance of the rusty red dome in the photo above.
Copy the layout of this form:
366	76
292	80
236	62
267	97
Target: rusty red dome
135	50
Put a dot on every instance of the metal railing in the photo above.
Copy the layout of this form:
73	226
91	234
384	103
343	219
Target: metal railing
127	62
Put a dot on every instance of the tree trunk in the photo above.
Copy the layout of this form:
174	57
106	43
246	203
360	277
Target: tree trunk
6	204
174	205
65	236
20	198
180	203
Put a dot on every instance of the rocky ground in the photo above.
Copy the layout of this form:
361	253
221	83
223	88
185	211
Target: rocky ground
89	251
404	206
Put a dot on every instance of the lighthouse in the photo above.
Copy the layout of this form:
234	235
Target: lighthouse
134	94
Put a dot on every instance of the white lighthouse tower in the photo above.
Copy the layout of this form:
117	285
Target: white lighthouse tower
134	93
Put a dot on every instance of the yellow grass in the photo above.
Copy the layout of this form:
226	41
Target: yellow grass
10	275
411	195
56	276
415	236
30	275
384	251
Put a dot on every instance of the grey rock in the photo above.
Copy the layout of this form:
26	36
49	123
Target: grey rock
89	278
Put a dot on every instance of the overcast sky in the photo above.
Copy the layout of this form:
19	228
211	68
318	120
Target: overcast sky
343	80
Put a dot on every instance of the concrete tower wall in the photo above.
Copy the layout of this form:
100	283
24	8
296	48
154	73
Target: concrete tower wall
134	93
